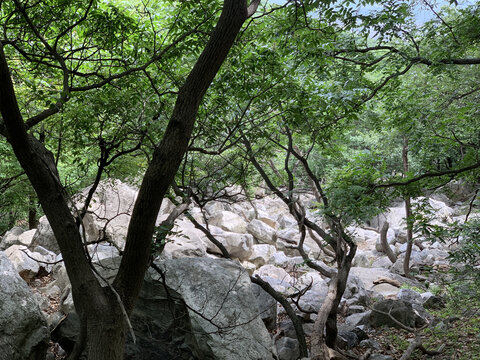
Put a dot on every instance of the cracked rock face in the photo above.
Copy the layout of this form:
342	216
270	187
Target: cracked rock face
23	329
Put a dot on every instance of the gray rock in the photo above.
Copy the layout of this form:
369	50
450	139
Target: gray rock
361	260
11	238
288	349
376	356
355	309
355	320
347	339
44	236
410	296
368	276
369	343
262	254
24	261
238	245
398	309
382	262
264	233
267	307
434	302
228	221
165	328
356	289
219	290
23	329
287	328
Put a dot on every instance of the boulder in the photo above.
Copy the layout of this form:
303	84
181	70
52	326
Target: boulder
410	296
206	311
186	241
433	302
269	221
288	348
26	237
267	307
24	333
262	254
286	220
268	271
228	221
11	238
398	309
376	356
262	232
382	262
109	211
371	344
347	339
239	246
280	259
361	259
25	262
369	275
44	236
355	289
354	320
313	298
219	290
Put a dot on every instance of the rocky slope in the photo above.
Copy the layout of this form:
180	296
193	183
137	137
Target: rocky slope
214	297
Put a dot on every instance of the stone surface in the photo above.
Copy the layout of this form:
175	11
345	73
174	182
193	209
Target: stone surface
356	289
376	356
262	232
220	290
369	343
369	275
433	302
262	254
361	259
44	236
23	329
11	238
347	339
287	349
24	261
239	246
400	310
410	296
355	320
267	307
228	221
186	241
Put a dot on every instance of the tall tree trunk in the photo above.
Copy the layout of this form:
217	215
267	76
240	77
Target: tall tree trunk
32	213
327	315
385	245
408	213
97	305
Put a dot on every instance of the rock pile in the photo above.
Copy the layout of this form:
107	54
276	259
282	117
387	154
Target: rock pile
261	236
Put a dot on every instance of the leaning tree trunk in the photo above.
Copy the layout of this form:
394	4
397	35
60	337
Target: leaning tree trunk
385	245
102	318
323	348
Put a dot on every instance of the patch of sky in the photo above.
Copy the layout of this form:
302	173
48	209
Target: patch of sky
423	10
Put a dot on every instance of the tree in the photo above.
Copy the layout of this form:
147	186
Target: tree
102	310
311	52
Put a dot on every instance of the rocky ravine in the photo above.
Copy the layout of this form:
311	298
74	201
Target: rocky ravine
259	235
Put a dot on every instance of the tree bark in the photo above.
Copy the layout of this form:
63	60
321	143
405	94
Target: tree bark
386	247
327	315
105	323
